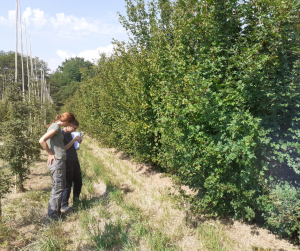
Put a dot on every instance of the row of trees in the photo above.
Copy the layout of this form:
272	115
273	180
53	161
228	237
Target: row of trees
23	116
209	91
25	108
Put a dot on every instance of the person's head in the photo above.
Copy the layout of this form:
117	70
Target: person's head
72	127
64	119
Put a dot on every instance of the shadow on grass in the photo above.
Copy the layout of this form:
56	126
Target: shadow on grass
46	189
90	201
147	169
41	174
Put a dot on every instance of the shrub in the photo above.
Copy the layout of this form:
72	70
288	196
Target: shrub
208	90
282	212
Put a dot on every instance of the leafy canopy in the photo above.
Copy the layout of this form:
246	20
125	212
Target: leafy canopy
209	91
66	79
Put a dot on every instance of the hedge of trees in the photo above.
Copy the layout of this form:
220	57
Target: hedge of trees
209	91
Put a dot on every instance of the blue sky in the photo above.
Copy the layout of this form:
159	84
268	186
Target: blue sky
65	28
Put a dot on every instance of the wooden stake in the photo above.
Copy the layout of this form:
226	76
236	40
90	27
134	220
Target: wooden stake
35	65
23	87
4	81
41	87
28	75
16	62
16	52
15	183
31	68
31	64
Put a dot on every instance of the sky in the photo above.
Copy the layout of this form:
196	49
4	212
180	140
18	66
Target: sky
63	29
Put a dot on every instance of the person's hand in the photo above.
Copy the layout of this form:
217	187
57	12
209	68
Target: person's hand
51	157
80	140
77	138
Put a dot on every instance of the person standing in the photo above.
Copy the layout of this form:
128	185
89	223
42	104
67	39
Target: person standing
73	171
52	142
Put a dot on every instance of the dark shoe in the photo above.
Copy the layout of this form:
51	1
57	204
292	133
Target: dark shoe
67	209
49	220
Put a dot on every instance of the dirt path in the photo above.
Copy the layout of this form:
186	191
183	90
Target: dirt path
124	206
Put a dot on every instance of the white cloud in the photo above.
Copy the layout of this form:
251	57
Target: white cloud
39	19
71	22
61	24
26	14
12	16
3	21
91	55
53	63
62	54
10	20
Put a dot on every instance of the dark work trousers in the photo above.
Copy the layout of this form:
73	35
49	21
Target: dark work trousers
58	174
73	176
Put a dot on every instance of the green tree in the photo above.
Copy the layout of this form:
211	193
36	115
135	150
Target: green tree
209	91
5	183
20	148
66	79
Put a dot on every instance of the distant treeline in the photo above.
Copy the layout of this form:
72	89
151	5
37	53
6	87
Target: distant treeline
66	79
209	91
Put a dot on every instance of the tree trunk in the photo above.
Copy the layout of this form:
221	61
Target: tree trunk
21	186
15	183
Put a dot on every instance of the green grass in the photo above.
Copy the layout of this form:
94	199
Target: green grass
50	238
113	235
130	225
26	208
213	237
115	220
158	241
7	234
37	196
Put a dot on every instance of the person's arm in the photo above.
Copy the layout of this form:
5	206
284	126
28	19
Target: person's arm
77	138
43	142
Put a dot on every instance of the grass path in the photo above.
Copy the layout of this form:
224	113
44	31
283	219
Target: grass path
123	206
